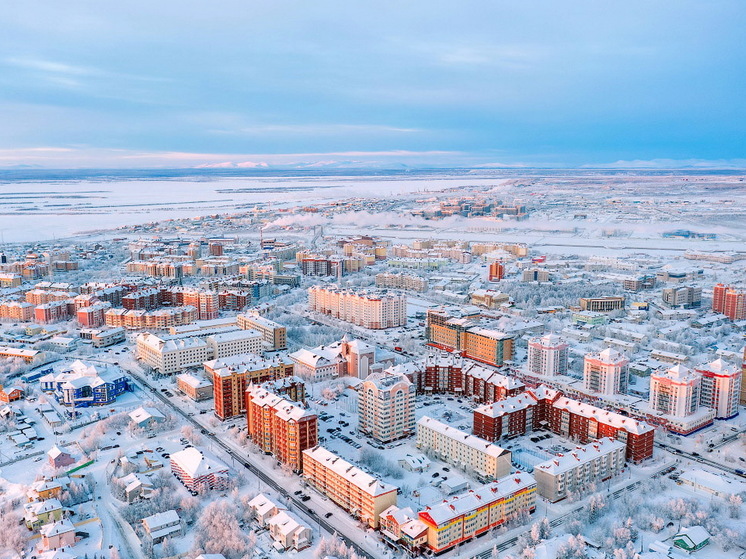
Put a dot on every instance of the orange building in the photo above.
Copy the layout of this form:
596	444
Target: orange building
232	375
280	426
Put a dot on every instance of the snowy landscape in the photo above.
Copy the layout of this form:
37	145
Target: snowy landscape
141	345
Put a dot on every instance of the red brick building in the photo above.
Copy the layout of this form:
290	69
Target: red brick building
144	299
729	301
497	271
511	417
280	426
584	423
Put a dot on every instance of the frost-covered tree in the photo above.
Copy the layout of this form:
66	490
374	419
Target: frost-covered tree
218	531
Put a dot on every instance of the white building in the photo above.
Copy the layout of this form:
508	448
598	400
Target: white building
606	372
162	525
386	403
577	470
547	355
169	354
488	461
721	385
676	391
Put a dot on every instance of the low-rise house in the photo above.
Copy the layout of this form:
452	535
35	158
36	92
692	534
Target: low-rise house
45	489
162	525
415	463
136	488
287	531
10	394
197	472
58	458
57	535
264	508
691	538
196	388
146	418
38	513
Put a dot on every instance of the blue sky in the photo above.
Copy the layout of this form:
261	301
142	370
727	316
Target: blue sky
469	83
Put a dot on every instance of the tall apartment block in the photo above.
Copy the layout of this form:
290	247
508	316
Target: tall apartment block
364	496
547	355
729	301
606	372
386	404
497	271
232	375
721	387
676	394
279	426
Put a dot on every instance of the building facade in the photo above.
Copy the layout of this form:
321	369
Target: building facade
565	474
547	355
231	376
386	404
366	309
279	426
362	495
606	372
486	460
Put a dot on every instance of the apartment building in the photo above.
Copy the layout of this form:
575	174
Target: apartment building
496	271
345	357
407	282
16	311
169	354
536	274
601	304
729	301
160	319
461	334
511	417
92	316
486	460
367	309
449	373
273	333
231	375
561	476
720	388
28	355
606	372
280	426
386	404
362	495
465	516
682	297
584	423
675	395
547	355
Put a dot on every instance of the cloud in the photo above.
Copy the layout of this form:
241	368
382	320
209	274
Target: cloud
671	164
317	129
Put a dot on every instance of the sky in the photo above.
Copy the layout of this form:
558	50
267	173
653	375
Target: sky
519	83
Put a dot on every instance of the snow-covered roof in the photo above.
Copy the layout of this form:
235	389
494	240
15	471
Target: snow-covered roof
61	527
193	381
354	475
603	416
461	437
142	414
580	455
262	504
463	504
508	405
194	463
157	521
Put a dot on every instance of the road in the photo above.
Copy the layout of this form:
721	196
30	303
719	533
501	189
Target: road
697	458
240	456
509	541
